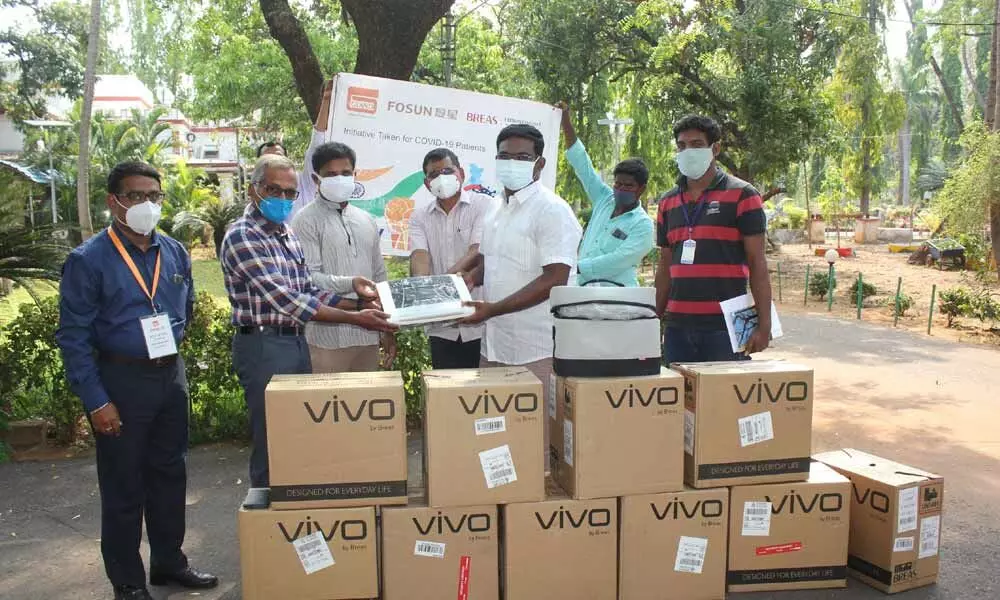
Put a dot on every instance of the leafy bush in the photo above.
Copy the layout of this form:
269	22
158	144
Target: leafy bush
867	290
904	303
31	371
962	302
819	284
4	426
413	355
955	302
796	217
34	385
218	411
977	251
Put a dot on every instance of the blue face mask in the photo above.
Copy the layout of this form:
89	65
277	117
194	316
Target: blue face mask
625	200
276	210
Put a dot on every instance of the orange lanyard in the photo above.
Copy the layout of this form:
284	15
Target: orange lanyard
135	271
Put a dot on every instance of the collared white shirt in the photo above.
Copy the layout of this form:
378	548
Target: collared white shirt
530	229
447	237
339	245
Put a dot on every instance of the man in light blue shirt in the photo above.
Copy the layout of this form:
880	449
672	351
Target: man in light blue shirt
620	233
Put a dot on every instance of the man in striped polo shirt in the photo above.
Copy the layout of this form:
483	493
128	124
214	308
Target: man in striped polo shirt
710	230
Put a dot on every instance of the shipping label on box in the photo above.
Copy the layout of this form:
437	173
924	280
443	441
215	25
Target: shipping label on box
316	554
483	431
746	422
621	435
426	551
895	520
561	548
336	440
676	542
790	536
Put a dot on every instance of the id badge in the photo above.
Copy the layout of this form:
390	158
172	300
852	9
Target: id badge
159	336
687	252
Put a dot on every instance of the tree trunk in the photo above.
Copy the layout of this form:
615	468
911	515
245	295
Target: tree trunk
391	32
995	98
83	160
995	231
949	94
993	108
980	101
285	27
905	145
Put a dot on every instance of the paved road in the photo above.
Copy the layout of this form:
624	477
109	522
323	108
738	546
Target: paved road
932	403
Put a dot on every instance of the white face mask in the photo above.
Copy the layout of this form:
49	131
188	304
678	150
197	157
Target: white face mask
515	174
694	162
338	188
142	218
445	186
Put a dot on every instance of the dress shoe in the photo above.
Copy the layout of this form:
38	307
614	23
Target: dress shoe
187	577
128	592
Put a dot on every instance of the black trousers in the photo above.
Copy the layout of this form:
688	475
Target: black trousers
447	354
143	472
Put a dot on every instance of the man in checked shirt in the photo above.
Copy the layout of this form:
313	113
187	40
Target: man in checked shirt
273	297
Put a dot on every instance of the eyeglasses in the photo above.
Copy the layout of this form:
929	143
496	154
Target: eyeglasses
445	171
273	191
524	156
133	198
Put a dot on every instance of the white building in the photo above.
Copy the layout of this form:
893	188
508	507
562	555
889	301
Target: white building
213	147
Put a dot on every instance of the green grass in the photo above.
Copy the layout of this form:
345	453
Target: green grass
11	303
207	276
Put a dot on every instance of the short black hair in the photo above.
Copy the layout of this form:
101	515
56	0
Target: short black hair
270	144
706	125
634	167
332	151
129	169
524	131
440	154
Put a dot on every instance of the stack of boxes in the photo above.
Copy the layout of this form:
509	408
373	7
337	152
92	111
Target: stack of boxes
698	480
337	451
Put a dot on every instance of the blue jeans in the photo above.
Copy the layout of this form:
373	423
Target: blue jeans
682	345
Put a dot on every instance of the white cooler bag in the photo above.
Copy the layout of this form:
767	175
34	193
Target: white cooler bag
605	331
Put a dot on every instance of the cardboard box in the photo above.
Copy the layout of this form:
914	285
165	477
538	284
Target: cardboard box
790	536
621	435
434	553
270	562
675	542
336	440
561	549
483	435
895	520
746	422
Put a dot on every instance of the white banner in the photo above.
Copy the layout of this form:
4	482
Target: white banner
393	124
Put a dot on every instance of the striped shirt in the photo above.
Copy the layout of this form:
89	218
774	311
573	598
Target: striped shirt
266	276
729	210
339	245
447	238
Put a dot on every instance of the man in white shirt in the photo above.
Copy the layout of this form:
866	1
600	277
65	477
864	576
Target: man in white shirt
340	242
444	239
529	246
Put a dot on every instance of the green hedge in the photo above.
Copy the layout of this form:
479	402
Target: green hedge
33	384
